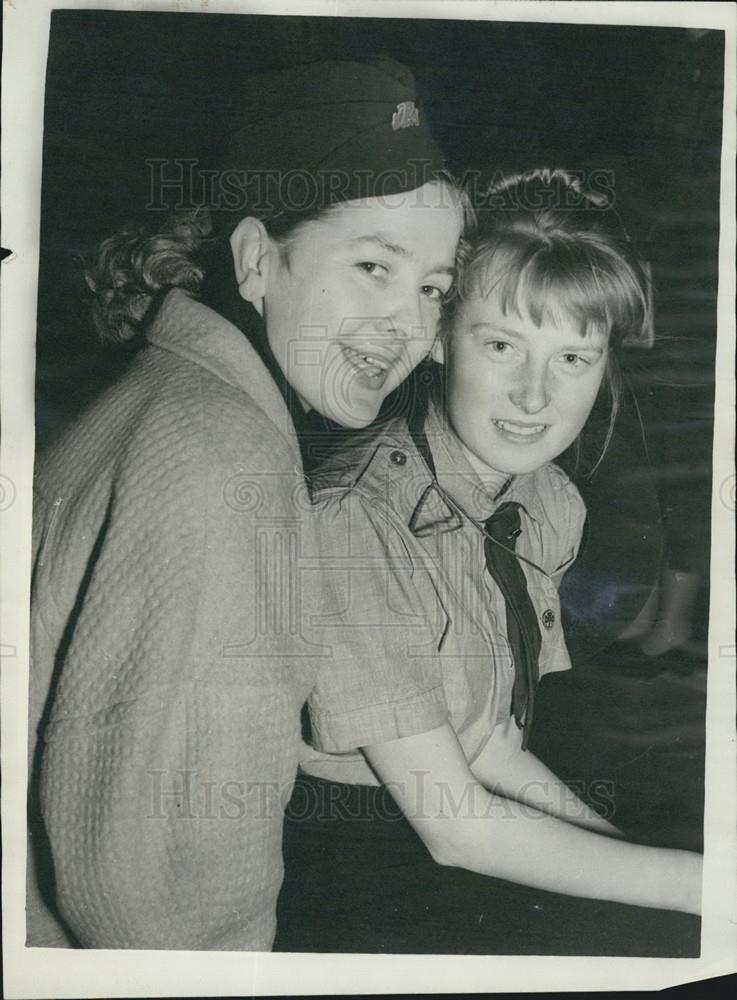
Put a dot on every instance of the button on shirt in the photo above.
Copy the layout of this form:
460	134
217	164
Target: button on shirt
415	626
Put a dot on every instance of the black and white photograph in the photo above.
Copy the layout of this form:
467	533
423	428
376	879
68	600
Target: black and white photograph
368	497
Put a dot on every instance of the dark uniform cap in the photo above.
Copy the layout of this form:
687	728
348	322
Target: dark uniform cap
325	132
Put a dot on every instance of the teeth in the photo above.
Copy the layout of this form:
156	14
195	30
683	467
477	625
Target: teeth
373	361
519	429
366	363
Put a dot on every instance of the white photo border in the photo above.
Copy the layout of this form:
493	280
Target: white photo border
33	972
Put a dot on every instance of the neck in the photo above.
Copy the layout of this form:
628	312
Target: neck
220	292
492	480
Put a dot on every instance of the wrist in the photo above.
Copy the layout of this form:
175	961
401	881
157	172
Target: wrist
682	882
693	883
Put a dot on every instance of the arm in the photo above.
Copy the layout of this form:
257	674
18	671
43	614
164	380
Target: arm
464	825
504	768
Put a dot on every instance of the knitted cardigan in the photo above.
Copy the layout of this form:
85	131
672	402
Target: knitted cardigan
172	649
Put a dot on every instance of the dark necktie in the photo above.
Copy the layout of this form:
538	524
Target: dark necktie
523	632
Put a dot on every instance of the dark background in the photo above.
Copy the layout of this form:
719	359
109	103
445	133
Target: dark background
126	87
644	103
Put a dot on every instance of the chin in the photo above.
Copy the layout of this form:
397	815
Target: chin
357	423
515	466
353	419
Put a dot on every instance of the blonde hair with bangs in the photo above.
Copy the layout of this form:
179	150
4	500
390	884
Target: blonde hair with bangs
543	243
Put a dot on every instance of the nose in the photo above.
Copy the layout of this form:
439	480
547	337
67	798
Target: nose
530	391
405	317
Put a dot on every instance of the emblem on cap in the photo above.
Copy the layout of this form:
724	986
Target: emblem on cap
548	618
405	116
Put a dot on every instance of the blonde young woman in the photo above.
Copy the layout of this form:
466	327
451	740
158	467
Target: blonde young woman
421	820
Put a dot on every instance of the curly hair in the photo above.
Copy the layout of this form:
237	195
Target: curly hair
133	267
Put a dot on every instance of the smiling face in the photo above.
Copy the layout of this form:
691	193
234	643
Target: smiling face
352	300
518	394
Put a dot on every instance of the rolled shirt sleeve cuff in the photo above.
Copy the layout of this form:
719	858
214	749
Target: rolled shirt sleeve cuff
348	731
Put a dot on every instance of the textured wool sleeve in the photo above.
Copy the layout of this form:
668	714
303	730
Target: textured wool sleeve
171	595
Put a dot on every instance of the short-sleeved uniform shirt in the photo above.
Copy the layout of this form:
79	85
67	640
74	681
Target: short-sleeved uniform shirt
416	627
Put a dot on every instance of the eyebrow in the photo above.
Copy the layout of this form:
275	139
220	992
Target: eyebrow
515	335
380	239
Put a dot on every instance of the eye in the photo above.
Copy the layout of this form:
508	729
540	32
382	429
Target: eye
498	346
574	360
374	268
433	293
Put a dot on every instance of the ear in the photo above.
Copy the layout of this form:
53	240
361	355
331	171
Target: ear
251	244
437	351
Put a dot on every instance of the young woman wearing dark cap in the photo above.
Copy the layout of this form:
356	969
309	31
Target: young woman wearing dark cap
174	559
